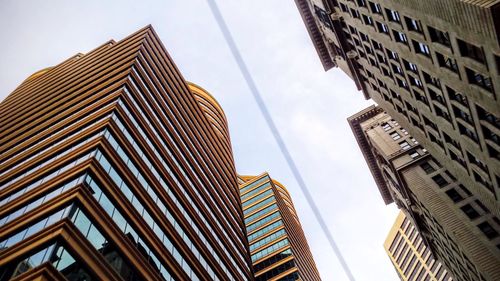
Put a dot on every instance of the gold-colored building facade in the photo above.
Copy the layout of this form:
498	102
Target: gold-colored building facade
113	167
278	247
409	255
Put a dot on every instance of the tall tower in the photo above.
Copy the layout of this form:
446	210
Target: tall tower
409	255
458	228
278	247
433	65
112	167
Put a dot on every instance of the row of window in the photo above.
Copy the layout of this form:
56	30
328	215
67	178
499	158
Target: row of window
164	161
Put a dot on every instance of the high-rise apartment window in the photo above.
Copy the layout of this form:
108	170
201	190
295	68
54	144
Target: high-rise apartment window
439	180
414	155
323	17
427	167
471	51
462	115
361	3
439	36
393	15
488	117
386	127
410	66
465	131
404	145
367	20
343	7
479	79
382	27
447	62
454	195
377	45
400	37
488	230
453	95
432	80
375	7
482	181
421	48
395	136
413	25
355	13
392	55
397	69
416	82
402	83
364	37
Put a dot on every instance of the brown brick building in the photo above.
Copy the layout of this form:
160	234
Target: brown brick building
112	167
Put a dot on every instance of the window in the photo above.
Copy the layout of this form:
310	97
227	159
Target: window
471	51
361	3
413	25
392	55
404	145
470	211
367	20
382	28
478	79
395	136
421	48
488	117
323	17
439	180
457	96
454	195
410	66
440	37
386	127
462	115
465	131
414	155
447	62
375	8
355	14
404	131
488	230
400	37
393	15
427	167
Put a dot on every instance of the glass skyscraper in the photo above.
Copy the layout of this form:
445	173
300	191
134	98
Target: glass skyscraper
278	248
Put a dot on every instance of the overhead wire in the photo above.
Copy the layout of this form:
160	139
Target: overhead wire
276	134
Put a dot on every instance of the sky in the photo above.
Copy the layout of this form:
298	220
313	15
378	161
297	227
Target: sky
308	105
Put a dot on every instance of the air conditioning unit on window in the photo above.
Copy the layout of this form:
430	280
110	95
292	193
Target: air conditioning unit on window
352	54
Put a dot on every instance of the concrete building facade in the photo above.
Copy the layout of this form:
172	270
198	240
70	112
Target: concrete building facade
278	247
433	65
459	229
113	167
411	258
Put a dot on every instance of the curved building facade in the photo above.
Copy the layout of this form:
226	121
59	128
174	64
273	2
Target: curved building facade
278	247
112	167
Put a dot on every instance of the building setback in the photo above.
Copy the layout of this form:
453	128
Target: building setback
433	65
278	247
112	167
458	228
409	255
